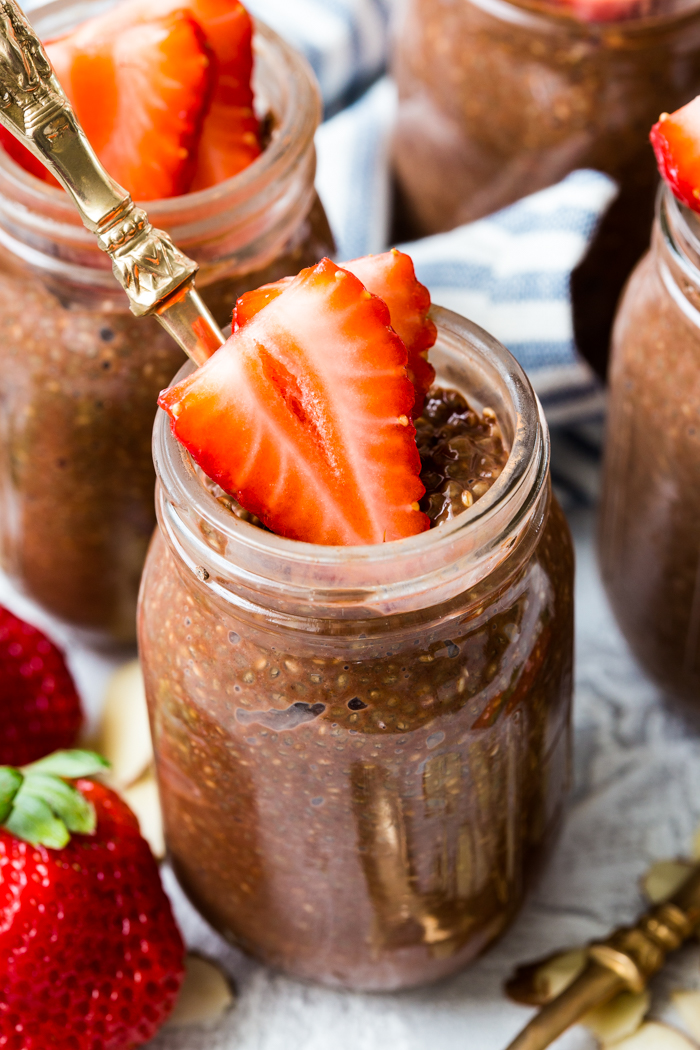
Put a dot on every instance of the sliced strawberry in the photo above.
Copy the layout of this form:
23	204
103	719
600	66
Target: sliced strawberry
230	137
252	302
229	143
676	142
140	91
392	277
221	136
303	415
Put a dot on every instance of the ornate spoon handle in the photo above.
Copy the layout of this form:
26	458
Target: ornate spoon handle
156	276
625	960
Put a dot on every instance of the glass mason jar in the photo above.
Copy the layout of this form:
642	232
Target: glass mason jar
81	375
363	751
500	98
649	531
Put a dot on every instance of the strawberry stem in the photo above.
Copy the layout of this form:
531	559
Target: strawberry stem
38	806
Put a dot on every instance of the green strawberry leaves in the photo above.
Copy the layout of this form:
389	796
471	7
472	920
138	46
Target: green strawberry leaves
65	801
32	820
69	764
38	806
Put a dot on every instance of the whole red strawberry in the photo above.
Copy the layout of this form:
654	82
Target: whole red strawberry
90	956
39	708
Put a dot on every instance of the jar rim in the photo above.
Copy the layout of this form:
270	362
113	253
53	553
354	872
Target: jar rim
251	192
236	555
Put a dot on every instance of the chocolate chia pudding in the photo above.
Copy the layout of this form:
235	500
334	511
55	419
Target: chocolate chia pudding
500	99
81	376
363	752
649	539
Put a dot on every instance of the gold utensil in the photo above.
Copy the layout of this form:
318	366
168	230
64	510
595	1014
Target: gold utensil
625	961
156	276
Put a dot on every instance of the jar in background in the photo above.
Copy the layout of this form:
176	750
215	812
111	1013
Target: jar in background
650	517
81	375
362	752
500	98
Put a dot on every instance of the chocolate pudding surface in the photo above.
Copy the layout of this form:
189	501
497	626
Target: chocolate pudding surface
81	380
649	542
493	108
362	802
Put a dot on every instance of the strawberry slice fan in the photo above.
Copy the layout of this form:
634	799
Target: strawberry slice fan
305	413
676	141
163	91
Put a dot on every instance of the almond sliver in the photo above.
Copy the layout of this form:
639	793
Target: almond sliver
663	878
687	1003
559	972
142	797
619	1018
655	1036
205	996
695	848
536	983
125	736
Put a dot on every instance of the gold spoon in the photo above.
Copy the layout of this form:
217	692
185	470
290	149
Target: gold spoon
623	962
156	276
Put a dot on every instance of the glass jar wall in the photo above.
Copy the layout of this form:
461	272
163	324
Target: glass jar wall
81	375
649	535
499	99
363	751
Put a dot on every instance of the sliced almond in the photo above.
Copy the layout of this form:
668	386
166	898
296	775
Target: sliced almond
124	736
688	1006
619	1018
695	849
663	879
537	983
205	996
142	797
656	1036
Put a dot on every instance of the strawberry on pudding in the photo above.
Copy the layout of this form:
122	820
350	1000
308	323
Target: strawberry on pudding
306	414
676	141
163	92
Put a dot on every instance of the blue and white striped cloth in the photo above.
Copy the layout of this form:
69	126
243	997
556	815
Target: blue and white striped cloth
346	41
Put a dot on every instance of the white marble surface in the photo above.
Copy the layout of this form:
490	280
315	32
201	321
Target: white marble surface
636	798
